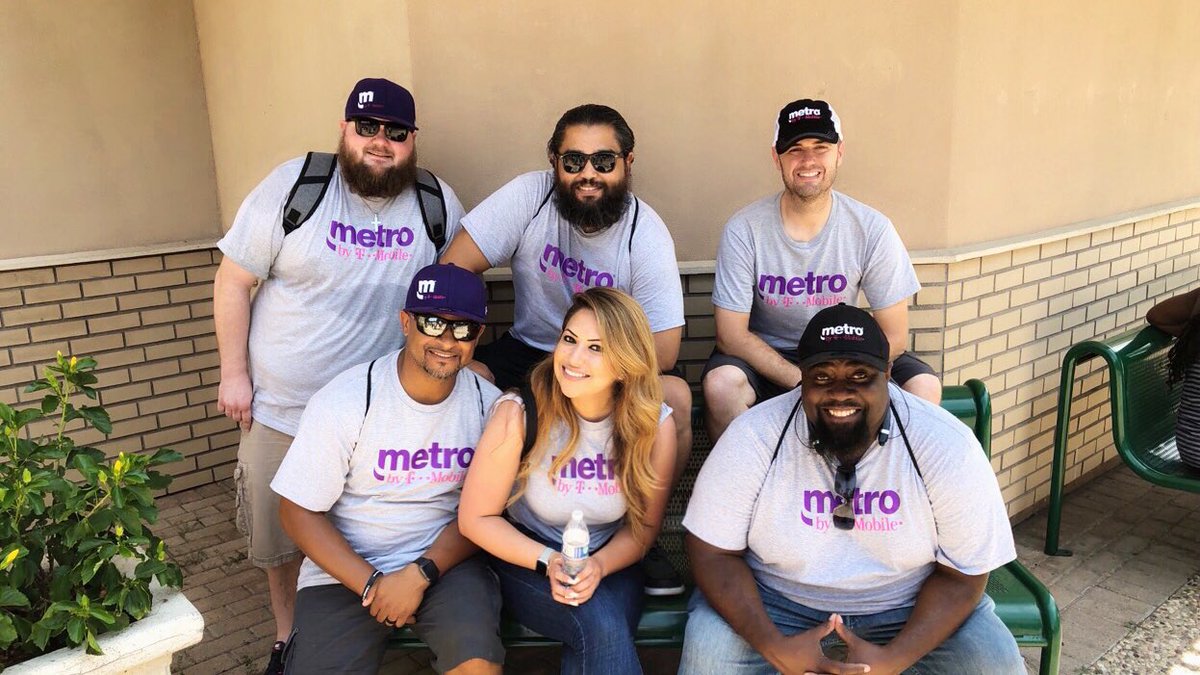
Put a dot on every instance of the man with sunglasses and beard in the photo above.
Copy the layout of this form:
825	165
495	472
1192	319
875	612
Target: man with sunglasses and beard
370	491
570	228
846	510
327	294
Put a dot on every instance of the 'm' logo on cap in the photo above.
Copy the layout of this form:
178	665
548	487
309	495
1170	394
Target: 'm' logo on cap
425	287
803	112
365	97
844	329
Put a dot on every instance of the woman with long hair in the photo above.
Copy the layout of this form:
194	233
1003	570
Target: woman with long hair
1180	316
604	445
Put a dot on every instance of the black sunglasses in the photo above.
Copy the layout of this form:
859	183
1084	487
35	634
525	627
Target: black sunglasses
460	329
604	161
368	128
845	480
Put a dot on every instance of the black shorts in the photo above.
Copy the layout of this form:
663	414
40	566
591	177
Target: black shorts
459	619
904	368
511	361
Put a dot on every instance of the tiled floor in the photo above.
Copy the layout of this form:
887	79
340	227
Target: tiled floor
1135	545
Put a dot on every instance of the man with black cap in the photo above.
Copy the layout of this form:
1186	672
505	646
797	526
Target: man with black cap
330	286
852	510
786	256
370	492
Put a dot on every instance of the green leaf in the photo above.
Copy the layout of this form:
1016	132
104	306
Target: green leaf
26	416
92	646
76	630
103	615
164	456
11	597
49	403
98	417
8	632
86	465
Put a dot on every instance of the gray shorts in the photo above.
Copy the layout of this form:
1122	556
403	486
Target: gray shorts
459	619
905	367
260	452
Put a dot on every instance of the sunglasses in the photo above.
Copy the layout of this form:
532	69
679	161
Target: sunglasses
604	161
845	481
368	128
460	329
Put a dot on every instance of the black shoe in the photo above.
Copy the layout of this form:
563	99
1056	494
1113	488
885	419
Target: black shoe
661	578
275	665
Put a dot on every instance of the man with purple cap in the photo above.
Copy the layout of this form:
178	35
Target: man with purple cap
331	253
846	510
786	256
370	491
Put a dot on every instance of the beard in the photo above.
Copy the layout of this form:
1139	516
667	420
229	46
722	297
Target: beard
838	442
366	182
591	216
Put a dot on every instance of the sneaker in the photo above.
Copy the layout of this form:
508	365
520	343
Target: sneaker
275	664
661	577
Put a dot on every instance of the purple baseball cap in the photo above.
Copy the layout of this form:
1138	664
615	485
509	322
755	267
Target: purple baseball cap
382	99
447	290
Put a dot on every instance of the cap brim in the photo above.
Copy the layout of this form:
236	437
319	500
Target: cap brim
385	118
781	146
822	357
447	313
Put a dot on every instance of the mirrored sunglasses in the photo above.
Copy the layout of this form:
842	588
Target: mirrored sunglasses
368	128
604	161
845	481
460	329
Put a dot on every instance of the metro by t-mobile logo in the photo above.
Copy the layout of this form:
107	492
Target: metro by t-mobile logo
792	116
425	287
844	329
365	97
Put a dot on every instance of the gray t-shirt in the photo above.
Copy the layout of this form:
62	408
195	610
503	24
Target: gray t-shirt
586	483
391	488
332	290
781	512
782	282
551	260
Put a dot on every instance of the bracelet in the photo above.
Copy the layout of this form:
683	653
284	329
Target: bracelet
370	582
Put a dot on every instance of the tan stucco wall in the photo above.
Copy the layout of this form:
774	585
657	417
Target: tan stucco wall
105	134
278	73
1068	111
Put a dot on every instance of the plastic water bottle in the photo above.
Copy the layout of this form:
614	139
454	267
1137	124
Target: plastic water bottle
575	544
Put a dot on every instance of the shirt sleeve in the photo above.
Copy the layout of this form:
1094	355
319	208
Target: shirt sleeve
656	283
733	288
257	232
314	470
889	276
973	532
499	221
726	491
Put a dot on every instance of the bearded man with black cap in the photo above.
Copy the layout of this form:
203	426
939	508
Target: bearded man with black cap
851	510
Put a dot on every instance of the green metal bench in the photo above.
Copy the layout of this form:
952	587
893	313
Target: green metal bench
1022	602
1143	415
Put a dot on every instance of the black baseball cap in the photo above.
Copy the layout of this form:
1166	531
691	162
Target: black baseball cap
806	118
843	332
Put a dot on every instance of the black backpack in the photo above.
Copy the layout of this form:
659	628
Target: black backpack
310	188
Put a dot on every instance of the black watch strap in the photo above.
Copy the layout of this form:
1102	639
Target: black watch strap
428	569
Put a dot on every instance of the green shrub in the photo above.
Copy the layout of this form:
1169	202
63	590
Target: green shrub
67	514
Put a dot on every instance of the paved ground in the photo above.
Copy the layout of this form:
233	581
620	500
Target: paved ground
1135	546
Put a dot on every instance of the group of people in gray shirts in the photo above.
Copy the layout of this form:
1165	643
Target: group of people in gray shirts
389	477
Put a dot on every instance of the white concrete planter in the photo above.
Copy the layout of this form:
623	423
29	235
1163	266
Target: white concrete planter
144	648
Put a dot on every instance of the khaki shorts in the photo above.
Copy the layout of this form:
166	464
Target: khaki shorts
260	452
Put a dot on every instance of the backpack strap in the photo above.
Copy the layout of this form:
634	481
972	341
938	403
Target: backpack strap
637	207
530	419
366	408
309	189
432	201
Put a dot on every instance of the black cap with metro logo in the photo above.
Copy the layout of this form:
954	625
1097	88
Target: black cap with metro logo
843	332
806	118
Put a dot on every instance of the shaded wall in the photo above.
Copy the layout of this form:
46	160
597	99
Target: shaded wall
105	132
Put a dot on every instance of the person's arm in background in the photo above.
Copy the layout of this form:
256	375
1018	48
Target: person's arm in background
232	287
465	253
1174	313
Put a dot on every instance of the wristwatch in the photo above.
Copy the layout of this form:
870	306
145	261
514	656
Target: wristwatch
428	569
543	561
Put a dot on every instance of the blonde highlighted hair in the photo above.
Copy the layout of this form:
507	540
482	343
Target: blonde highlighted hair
637	401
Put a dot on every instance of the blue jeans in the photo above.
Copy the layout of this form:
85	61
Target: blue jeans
981	645
597	635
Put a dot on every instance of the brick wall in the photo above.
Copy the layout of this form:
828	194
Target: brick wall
148	322
1006	316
